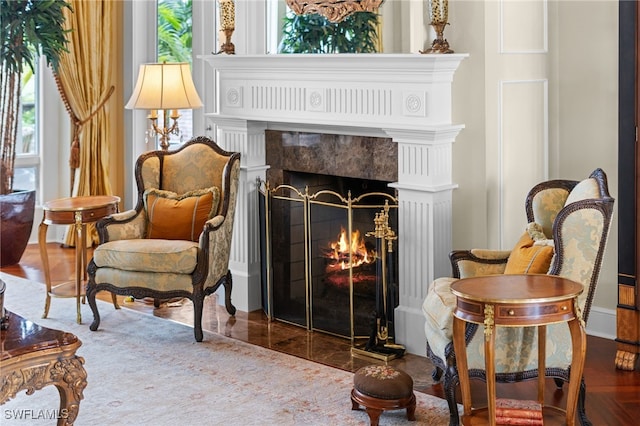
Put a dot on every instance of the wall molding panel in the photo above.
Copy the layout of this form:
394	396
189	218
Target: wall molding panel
523	149
524	27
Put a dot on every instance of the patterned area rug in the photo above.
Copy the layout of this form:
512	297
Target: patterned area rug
143	370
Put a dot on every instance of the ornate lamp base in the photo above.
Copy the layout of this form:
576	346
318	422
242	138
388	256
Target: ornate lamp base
439	44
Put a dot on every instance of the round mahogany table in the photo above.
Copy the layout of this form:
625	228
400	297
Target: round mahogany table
77	211
517	301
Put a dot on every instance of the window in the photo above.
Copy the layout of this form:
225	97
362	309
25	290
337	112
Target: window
174	45
27	165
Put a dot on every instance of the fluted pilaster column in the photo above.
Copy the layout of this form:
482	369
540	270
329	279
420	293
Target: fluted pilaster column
247	138
425	223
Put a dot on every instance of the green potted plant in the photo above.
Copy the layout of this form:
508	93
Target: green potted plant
29	28
313	33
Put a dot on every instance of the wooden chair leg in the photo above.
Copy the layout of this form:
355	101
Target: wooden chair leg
198	302
228	285
91	299
450	395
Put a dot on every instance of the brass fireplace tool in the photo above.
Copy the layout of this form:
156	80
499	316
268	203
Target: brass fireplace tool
381	343
439	14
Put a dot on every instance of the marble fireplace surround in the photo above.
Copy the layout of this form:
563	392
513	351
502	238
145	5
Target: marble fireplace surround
406	98
360	157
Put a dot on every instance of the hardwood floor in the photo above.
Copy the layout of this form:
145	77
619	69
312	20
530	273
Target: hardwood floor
613	396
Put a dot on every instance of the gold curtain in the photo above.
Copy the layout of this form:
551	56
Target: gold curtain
85	84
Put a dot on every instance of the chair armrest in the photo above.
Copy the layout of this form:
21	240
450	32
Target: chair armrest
214	223
478	262
215	243
127	225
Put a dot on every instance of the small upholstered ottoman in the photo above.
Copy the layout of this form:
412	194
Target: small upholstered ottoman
382	387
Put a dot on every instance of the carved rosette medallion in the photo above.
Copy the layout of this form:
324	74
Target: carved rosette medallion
315	101
333	10
414	104
233	97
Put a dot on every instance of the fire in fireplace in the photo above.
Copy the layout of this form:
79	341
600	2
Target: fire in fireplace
345	253
322	270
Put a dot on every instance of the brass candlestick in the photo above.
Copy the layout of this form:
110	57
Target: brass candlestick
439	14
227	26
226	46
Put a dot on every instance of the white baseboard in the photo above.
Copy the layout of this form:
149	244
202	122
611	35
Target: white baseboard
602	323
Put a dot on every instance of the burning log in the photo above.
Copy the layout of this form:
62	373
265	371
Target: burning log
341	254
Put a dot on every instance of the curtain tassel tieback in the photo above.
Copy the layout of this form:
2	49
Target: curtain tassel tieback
74	157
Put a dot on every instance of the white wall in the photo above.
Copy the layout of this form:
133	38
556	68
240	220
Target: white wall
588	108
579	68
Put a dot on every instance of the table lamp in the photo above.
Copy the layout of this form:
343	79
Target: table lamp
168	87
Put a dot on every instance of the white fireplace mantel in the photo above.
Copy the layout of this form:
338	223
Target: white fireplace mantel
403	97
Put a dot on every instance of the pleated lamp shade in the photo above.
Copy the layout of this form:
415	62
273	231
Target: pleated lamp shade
164	86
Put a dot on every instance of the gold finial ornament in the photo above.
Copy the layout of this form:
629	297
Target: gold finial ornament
439	14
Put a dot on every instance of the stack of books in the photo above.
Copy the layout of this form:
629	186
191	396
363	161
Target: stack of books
518	412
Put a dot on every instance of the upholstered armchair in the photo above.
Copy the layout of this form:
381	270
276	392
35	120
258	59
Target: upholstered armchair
176	242
568	224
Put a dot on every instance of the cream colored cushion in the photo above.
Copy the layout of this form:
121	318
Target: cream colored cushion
584	190
438	309
178	256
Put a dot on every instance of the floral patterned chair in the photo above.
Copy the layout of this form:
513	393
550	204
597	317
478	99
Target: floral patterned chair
568	225
176	242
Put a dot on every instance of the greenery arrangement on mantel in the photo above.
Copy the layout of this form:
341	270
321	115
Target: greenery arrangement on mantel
313	33
28	29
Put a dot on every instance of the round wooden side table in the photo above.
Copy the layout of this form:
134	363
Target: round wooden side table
77	211
517	301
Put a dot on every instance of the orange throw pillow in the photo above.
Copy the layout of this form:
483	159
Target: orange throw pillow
527	258
179	217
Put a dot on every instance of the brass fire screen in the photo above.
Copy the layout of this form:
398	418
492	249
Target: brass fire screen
322	264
